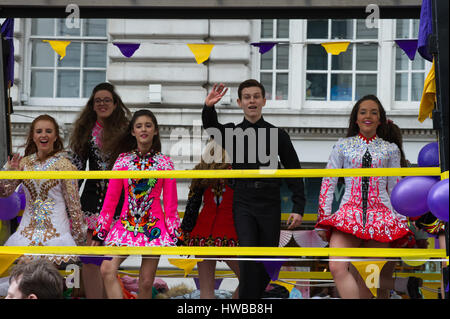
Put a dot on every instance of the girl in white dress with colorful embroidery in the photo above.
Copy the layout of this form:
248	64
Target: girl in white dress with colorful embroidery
365	217
52	215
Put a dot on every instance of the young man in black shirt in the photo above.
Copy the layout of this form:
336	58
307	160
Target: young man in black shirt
255	144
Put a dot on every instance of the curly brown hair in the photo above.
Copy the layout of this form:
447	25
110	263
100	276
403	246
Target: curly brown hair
115	125
223	163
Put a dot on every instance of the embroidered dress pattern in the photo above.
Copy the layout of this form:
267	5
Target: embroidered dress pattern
94	189
142	221
214	225
49	204
365	210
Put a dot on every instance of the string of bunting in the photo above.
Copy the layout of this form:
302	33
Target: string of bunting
202	51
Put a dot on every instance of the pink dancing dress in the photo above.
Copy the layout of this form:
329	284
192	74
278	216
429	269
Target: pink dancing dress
365	210
142	221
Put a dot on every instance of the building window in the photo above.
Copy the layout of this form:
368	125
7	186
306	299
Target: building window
79	71
274	65
349	75
409	75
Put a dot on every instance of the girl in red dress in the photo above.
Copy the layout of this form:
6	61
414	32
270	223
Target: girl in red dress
214	225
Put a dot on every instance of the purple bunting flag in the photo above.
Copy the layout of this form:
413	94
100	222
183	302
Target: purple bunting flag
273	268
127	49
409	47
264	46
425	30
96	260
7	31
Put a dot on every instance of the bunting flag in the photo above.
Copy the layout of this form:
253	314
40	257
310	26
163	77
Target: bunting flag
58	46
185	264
273	268
335	48
409	47
289	285
370	273
425	30
127	49
201	51
414	261
264	46
428	96
6	260
7	31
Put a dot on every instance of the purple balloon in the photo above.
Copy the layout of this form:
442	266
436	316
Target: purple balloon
96	260
9	206
438	200
429	155
409	196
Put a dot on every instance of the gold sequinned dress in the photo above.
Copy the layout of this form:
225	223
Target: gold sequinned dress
52	216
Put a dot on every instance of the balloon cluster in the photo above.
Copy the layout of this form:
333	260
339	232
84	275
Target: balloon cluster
414	196
11	206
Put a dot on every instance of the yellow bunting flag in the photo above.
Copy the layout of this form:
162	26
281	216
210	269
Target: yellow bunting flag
370	273
335	48
289	285
416	261
201	51
428	96
7	260
59	47
185	264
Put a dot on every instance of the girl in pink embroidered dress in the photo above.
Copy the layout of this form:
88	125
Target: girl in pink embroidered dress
143	221
365	216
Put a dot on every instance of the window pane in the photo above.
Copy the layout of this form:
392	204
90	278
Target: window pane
366	56
282	86
42	54
267	28
342	29
401	59
402	29
266	80
95	55
317	29
282	28
417	80
401	87
63	30
42	83
341	87
267	60
365	84
343	61
68	84
283	57
418	63
72	58
316	86
91	79
42	27
94	27
316	57
416	24
363	32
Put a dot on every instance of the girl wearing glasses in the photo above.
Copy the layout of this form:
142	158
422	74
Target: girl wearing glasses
95	132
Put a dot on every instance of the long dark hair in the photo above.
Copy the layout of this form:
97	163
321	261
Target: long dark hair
353	128
30	146
112	128
127	142
394	135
